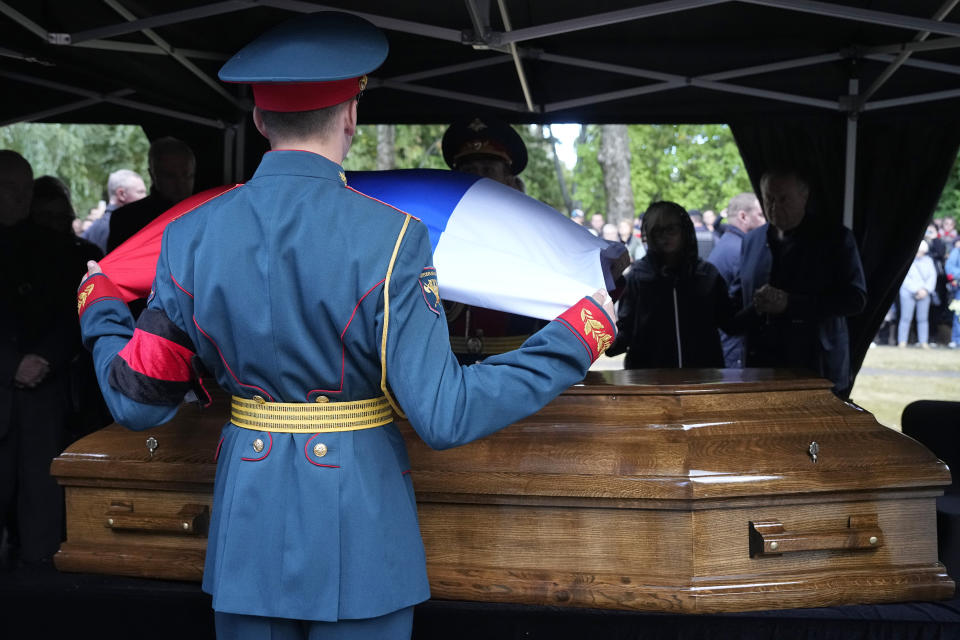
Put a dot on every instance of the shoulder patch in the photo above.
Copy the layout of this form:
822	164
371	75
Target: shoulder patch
431	290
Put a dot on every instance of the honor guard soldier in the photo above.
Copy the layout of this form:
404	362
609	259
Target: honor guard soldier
322	341
485	146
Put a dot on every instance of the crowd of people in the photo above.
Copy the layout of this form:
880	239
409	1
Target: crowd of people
927	310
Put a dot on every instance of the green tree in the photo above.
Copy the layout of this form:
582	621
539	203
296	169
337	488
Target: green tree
82	155
540	176
417	146
697	166
587	188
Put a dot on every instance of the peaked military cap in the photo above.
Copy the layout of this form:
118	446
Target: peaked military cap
309	62
484	135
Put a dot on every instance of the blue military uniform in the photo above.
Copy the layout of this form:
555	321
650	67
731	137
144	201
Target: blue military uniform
267	287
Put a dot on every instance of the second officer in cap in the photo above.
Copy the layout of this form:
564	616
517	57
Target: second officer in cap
320	340
485	146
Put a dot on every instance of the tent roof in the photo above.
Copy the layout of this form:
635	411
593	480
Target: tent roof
142	61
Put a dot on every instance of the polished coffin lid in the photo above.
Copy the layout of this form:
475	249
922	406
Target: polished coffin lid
684	434
660	435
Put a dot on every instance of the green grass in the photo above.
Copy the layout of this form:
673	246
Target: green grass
892	378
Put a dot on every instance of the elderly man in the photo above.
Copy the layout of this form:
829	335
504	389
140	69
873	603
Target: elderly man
321	338
743	216
123	187
172	166
803	276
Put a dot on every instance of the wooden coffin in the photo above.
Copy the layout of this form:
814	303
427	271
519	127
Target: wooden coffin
683	491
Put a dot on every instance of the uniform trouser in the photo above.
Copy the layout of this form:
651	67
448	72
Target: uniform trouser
907	304
30	499
392	626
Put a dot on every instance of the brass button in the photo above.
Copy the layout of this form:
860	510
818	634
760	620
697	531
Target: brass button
322	399
319	449
259	400
258	445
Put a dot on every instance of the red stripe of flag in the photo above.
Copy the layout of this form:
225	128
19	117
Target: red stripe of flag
133	265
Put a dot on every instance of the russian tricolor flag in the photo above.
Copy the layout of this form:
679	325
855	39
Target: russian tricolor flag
493	246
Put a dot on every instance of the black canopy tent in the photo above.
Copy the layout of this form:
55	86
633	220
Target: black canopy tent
862	95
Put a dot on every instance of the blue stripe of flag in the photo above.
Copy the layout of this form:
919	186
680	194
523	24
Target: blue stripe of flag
428	194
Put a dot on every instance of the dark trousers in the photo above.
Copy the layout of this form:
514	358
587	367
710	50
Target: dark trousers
31	501
392	626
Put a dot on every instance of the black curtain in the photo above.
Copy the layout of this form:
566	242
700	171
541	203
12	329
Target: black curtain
902	164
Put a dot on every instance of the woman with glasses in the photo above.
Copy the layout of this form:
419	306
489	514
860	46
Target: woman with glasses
673	302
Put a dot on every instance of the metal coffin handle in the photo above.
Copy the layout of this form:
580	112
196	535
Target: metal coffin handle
770	538
191	520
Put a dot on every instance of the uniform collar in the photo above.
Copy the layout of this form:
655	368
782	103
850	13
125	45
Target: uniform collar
291	162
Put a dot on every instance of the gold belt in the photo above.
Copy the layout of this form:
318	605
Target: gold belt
310	417
486	345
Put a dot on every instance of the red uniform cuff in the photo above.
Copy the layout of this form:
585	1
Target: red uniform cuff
591	324
96	288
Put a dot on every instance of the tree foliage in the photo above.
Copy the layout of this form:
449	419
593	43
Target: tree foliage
417	146
697	166
540	176
82	155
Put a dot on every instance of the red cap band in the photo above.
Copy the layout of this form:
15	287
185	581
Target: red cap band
305	96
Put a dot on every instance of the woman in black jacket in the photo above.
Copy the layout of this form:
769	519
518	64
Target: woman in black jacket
673	301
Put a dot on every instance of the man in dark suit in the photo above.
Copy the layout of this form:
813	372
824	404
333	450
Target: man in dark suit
803	276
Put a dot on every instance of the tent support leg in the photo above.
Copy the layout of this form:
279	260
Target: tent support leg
240	151
850	173
229	153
